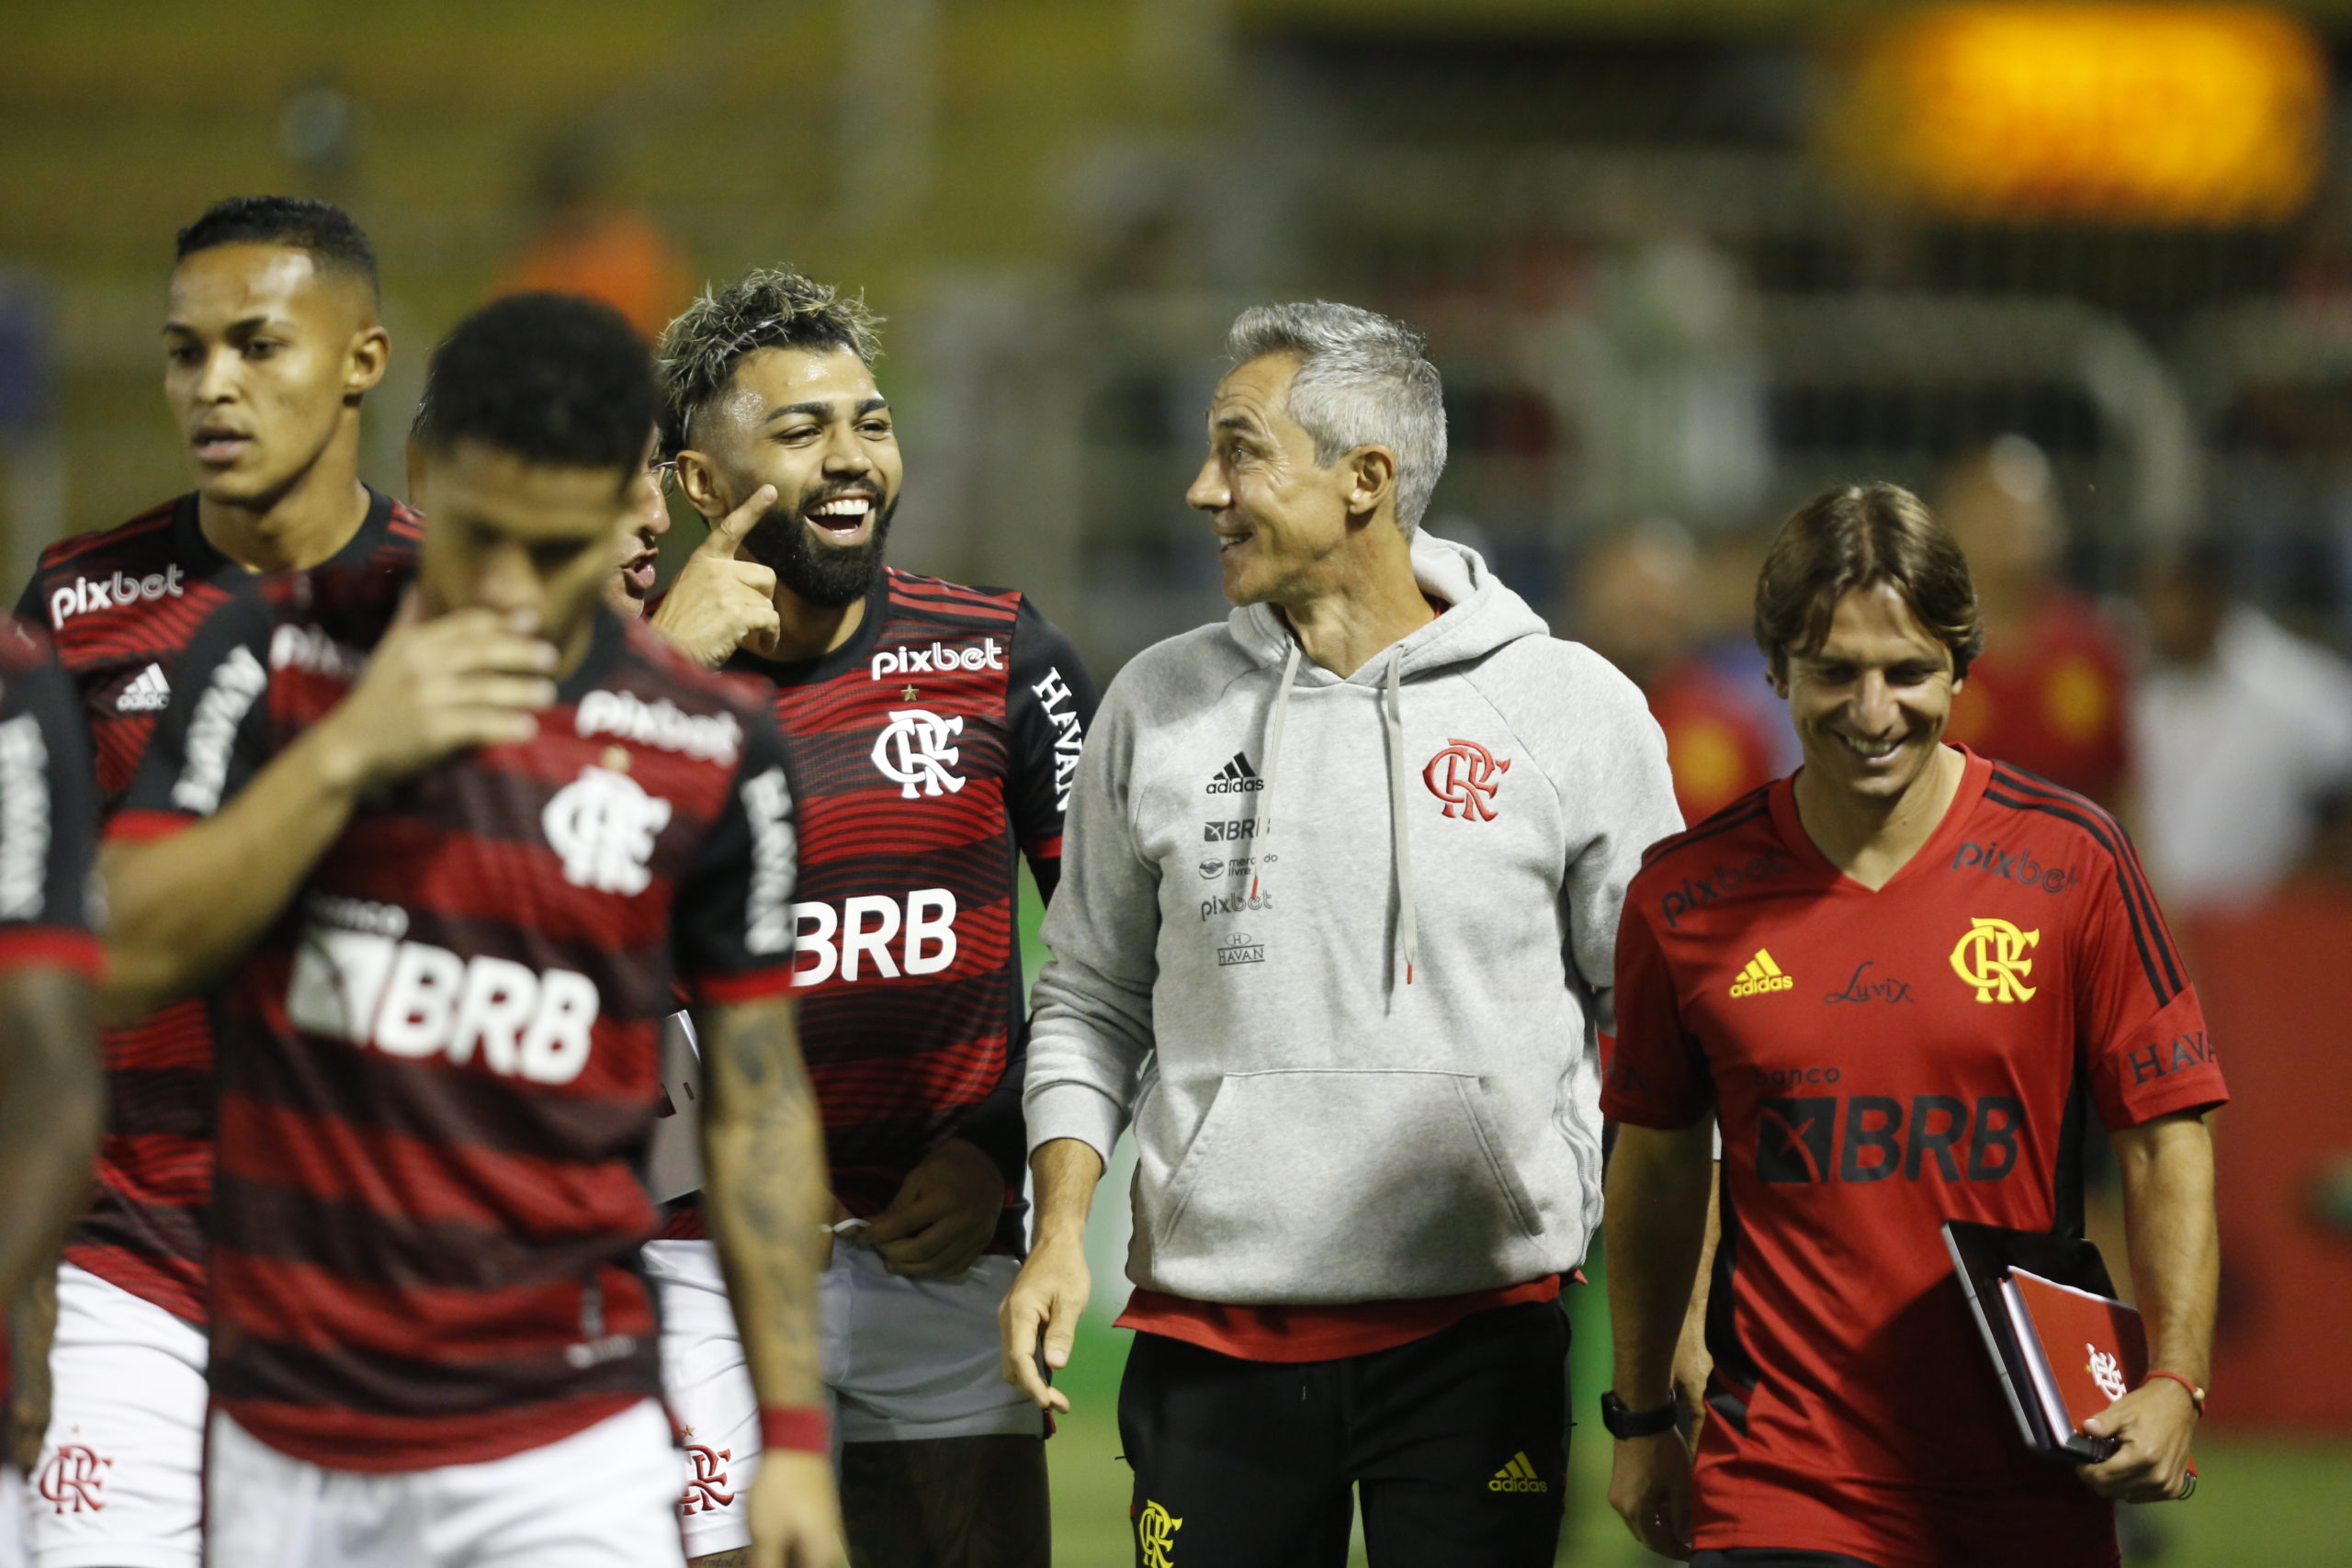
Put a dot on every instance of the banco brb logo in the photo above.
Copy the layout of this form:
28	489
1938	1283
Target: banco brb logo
1992	958
913	751
1466	775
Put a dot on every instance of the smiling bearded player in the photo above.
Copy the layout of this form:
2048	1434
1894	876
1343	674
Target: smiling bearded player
1895	1025
935	730
271	345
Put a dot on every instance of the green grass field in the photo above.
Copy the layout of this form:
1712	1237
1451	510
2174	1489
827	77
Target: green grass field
2259	1504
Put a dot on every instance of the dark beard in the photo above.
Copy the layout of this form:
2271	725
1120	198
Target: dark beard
826	575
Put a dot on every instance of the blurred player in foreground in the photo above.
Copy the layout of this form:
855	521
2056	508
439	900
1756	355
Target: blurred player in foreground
935	730
51	1092
471	829
1344	880
271	345
1934	969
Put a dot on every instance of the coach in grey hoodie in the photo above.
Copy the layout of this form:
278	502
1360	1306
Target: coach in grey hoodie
1339	899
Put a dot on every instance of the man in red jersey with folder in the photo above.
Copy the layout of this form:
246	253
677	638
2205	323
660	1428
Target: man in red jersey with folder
271	343
1950	966
455	904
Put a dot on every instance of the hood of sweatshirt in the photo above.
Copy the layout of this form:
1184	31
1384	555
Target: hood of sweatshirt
1481	616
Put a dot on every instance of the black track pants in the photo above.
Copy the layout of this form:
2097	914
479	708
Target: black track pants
1459	1443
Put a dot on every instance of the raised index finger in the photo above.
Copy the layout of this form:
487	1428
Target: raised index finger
728	533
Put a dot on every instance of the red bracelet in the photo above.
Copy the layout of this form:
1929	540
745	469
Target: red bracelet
796	1429
2196	1395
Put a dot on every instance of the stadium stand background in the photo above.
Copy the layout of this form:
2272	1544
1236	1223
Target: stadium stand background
1677	258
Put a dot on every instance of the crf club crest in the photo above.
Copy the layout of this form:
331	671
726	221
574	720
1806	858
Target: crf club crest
71	1481
1465	776
913	752
703	1494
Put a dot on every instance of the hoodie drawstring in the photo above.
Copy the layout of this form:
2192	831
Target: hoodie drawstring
1392	713
1408	930
1264	816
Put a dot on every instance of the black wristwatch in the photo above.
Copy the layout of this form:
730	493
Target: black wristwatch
1625	1422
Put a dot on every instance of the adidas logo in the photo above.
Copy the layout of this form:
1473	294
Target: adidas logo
1236	777
148	692
1760	975
1519	1475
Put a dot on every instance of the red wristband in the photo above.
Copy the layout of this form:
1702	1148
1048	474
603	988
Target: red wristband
796	1429
2196	1395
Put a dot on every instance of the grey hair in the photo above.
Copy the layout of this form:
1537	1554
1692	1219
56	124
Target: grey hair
1364	381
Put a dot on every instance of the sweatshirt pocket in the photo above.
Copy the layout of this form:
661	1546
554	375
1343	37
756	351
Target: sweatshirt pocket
1343	1185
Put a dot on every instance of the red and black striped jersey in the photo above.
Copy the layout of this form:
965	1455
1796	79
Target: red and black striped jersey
928	751
439	1071
48	832
48	812
121	605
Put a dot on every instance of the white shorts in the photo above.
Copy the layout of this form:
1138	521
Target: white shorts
119	1482
904	1359
603	1497
12	1517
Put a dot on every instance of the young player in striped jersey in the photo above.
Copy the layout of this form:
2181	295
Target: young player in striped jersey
935	730
51	1091
466	893
271	345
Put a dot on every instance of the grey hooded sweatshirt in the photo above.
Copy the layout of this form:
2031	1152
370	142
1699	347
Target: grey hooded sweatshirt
1338	948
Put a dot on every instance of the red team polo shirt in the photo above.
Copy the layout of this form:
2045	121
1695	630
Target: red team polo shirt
1881	1063
439	1069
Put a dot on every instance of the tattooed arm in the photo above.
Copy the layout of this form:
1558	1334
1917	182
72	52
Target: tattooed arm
766	1196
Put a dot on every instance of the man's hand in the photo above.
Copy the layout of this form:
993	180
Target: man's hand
944	1216
795	1513
2155	1421
718	604
1045	1300
1649	1485
469	678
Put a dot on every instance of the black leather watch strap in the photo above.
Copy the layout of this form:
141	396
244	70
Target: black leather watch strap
1625	1422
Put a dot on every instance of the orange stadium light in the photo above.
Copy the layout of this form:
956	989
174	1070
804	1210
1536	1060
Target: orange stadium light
2180	114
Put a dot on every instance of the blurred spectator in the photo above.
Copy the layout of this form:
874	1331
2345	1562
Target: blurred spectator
2242	738
2050	694
1640	601
1659	369
593	241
